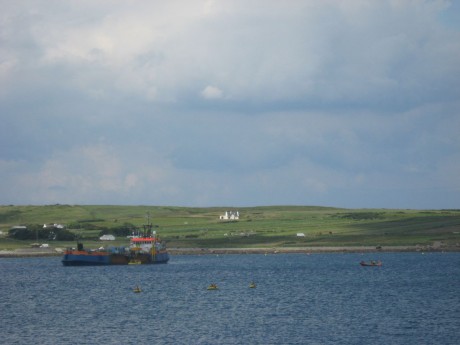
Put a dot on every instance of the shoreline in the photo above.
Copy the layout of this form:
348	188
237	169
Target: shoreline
310	250
45	252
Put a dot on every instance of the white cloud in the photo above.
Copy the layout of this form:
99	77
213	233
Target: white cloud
211	92
305	52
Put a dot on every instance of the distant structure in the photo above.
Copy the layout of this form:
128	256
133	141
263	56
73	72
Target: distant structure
107	238
19	227
53	226
230	215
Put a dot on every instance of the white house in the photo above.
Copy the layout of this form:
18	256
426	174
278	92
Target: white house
233	215
107	238
53	226
19	227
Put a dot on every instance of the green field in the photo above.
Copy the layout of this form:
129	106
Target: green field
273	226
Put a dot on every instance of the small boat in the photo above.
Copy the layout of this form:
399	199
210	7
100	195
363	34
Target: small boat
252	285
137	289
213	287
371	263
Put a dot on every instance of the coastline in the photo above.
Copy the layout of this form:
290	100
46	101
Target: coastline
30	252
44	252
311	250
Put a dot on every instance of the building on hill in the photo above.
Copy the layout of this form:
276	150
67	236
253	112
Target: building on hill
53	226
230	215
19	227
107	238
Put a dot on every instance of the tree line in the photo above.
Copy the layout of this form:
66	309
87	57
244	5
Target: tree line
37	232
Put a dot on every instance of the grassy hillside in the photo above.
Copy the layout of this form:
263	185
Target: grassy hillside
274	226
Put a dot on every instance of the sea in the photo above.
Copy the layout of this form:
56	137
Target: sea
414	298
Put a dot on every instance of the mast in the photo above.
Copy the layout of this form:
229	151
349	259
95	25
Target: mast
148	232
148	226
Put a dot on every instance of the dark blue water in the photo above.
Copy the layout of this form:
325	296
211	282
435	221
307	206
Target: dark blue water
299	299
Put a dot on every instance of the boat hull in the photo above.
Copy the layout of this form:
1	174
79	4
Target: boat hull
370	264
102	259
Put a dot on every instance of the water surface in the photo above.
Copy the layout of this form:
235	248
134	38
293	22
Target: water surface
413	298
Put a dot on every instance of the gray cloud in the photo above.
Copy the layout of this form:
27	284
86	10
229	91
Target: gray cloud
245	103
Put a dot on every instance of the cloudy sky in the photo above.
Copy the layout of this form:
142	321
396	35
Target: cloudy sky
230	103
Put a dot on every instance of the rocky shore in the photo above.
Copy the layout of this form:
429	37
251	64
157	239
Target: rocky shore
30	252
311	250
43	252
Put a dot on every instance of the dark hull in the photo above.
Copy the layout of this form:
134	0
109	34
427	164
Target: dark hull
81	263
370	265
102	259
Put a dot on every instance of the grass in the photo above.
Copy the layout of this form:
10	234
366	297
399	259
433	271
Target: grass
270	226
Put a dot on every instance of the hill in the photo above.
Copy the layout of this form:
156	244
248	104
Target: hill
257	227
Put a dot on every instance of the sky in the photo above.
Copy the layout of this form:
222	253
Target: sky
202	103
